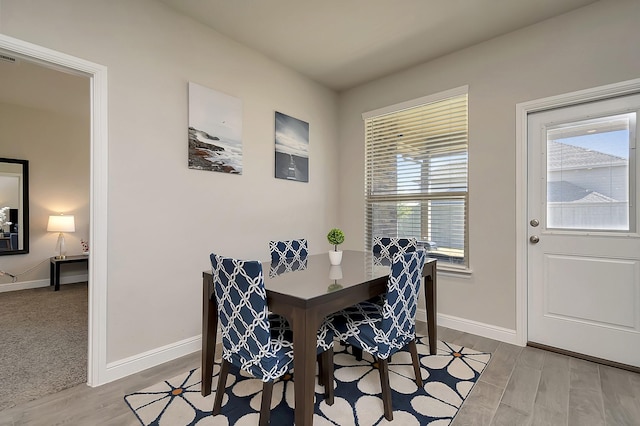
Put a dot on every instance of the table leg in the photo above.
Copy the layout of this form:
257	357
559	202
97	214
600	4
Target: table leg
57	278
430	298
305	329
209	335
51	272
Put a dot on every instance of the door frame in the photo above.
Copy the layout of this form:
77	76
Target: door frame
97	330
522	230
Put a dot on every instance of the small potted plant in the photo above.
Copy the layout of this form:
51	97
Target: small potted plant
335	237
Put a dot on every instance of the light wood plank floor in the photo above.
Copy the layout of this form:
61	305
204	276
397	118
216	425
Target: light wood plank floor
521	386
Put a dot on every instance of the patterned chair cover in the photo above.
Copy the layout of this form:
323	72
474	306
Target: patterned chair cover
389	246
252	339
382	330
288	249
384	249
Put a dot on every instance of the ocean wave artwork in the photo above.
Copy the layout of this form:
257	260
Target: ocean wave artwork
208	152
215	131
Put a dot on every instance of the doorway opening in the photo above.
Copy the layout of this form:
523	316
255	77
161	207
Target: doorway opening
97	303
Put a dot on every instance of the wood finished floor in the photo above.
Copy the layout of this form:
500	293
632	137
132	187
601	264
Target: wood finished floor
520	386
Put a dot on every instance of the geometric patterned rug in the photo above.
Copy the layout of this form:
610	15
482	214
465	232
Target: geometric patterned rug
448	378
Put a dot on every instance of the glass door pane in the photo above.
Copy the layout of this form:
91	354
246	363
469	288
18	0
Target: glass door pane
588	174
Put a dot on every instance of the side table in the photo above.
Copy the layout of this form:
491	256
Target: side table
54	272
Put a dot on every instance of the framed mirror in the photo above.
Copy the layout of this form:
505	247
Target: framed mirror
14	206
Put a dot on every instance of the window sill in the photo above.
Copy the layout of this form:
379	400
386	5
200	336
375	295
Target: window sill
454	271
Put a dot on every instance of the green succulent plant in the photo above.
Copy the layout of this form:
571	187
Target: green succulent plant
335	237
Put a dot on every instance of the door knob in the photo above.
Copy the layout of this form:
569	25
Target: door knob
534	239
534	222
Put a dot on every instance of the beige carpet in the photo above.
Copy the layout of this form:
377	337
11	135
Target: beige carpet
43	342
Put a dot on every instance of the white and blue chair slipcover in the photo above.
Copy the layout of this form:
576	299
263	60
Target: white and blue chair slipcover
252	339
382	330
288	249
384	248
389	246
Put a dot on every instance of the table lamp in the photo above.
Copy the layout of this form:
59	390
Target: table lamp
61	223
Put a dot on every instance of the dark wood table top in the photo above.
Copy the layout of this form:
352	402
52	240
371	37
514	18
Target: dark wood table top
318	280
314	279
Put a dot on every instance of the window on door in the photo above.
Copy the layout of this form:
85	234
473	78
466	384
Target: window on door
416	174
588	174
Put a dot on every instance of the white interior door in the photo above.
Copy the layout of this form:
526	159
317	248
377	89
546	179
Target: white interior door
584	246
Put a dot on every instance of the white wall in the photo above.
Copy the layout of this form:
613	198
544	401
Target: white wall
57	148
165	219
592	46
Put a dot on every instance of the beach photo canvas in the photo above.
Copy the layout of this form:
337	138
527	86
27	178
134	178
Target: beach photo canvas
292	148
215	130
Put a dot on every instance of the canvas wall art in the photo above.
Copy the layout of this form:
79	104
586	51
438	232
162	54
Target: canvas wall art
292	148
215	130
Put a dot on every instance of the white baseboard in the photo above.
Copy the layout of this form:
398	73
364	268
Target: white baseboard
134	364
474	327
25	285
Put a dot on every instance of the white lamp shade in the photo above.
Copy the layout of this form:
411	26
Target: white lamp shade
61	223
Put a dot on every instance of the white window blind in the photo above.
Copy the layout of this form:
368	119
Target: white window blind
416	174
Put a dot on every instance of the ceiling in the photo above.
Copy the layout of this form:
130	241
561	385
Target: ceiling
344	43
339	43
31	85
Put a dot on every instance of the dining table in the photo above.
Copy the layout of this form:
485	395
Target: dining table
305	291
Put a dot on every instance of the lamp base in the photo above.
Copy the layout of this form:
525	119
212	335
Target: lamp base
61	246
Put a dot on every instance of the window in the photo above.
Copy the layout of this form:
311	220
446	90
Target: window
416	174
588	174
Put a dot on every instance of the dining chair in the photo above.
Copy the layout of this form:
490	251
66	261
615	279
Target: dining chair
288	249
382	330
252	339
384	248
389	246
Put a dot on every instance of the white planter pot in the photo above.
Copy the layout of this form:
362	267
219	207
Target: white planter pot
335	257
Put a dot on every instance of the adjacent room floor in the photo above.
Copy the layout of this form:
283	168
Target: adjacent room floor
43	342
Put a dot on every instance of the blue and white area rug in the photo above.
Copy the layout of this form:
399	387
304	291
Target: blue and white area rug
448	378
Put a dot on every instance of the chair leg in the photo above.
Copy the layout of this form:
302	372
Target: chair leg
222	383
416	362
320	369
327	361
357	352
383	368
265	407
